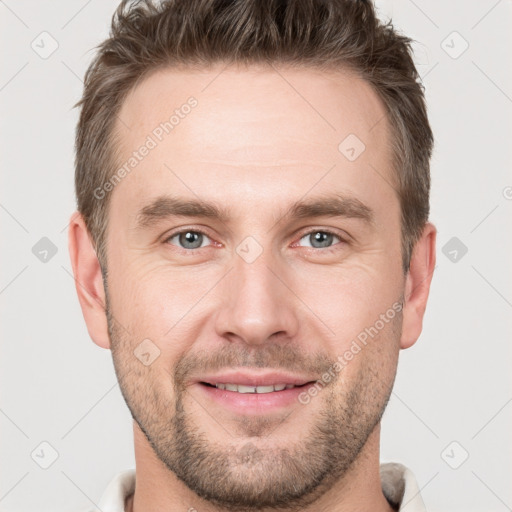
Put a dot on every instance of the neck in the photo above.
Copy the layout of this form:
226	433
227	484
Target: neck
158	488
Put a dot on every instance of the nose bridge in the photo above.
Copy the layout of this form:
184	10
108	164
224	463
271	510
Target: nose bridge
257	304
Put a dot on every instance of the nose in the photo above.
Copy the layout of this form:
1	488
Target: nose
257	302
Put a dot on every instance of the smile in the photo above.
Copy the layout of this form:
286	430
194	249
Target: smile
238	388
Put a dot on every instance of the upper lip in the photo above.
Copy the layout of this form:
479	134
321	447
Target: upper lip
245	378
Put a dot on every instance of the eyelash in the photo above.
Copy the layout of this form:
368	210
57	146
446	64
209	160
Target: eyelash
324	250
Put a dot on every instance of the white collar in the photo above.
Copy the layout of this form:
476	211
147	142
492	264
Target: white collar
398	485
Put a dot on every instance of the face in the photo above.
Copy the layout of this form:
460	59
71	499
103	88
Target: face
247	251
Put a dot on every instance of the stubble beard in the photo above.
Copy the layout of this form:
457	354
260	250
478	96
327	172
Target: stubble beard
248	476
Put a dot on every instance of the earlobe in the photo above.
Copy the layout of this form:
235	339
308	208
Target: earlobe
417	286
88	280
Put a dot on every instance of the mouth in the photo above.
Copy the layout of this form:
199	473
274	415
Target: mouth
246	393
242	388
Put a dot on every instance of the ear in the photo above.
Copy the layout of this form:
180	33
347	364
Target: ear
417	285
88	280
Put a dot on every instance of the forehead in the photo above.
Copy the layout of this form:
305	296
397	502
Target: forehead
301	100
254	128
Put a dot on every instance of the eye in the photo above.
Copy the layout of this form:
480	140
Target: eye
188	239
320	239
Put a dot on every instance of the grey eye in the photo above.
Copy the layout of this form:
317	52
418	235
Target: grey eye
320	239
189	239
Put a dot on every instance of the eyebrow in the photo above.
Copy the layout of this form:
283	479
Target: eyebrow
333	205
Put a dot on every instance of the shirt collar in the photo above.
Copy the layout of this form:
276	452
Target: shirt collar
399	486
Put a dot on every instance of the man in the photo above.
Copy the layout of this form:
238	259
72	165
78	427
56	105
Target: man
252	243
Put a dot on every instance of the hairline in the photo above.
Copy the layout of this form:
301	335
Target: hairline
340	68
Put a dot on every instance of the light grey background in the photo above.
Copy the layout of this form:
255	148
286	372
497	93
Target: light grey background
58	387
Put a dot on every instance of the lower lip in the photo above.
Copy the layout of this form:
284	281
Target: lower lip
254	403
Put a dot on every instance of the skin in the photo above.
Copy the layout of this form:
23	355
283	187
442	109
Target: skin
254	144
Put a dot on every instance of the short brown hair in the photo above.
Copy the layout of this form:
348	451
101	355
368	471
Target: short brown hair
330	34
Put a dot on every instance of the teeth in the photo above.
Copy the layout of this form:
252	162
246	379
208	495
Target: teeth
245	389
266	389
254	389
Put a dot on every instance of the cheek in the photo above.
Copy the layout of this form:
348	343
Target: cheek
363	312
372	354
156	302
348	300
